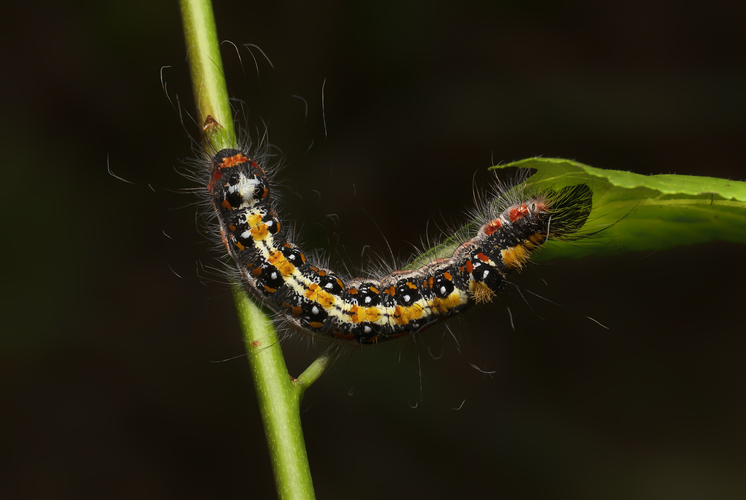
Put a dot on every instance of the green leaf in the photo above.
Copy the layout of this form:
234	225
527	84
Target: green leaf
633	212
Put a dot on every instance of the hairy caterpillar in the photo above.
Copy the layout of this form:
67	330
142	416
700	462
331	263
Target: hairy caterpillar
319	302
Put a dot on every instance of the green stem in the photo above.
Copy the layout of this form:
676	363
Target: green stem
279	399
208	79
318	367
278	394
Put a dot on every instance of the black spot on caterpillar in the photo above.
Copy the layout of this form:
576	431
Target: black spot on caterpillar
318	302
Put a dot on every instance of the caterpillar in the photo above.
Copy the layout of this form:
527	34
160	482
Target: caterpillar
318	302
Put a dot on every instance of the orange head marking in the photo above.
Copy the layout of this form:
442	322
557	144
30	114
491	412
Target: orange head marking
232	161
518	212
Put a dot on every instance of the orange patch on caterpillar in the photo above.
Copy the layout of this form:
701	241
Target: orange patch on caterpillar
515	256
360	314
239	245
469	267
254	220
518	212
278	260
259	233
314	293
226	205
445	305
537	238
493	226
232	161
371	314
353	314
413	312
399	317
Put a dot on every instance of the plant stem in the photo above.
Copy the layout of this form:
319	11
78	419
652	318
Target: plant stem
206	69
278	394
279	399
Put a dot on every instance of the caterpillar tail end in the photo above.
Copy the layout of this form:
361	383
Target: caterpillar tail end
569	211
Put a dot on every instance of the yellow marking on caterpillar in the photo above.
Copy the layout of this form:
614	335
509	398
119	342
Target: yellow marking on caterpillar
254	220
515	256
278	260
403	315
364	314
371	314
537	238
259	233
314	293
443	306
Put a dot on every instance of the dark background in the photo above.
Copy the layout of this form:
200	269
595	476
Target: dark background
107	362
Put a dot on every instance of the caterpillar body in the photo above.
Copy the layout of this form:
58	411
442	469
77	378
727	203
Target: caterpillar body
318	302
